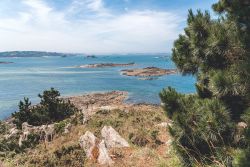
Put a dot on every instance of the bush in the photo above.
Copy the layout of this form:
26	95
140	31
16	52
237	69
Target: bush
50	109
67	156
60	126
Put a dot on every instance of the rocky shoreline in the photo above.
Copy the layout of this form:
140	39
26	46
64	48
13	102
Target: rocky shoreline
148	72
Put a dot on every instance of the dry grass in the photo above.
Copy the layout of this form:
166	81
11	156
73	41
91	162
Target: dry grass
136	124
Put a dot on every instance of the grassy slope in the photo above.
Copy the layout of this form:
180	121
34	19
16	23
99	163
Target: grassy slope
137	126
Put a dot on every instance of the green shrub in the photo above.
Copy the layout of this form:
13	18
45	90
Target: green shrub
60	126
51	109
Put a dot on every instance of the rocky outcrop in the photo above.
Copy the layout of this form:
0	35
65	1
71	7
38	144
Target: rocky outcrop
5	62
46	132
148	72
99	151
112	138
90	56
90	103
102	65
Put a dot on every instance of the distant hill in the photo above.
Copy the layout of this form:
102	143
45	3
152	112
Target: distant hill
32	54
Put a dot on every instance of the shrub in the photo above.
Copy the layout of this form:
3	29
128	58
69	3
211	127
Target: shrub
50	109
60	126
70	156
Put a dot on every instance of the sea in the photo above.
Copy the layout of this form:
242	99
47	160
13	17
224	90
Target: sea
29	76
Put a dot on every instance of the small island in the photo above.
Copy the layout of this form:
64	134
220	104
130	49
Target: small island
148	72
90	56
5	62
102	65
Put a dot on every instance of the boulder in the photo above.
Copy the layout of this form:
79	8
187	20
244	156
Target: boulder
49	132
112	138
88	143
104	158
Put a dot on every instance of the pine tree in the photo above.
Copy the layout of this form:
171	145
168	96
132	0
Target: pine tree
217	52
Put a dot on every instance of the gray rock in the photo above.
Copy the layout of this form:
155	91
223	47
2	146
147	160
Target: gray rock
88	143
112	138
104	158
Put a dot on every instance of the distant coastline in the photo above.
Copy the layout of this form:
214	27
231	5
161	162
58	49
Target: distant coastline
85	55
33	54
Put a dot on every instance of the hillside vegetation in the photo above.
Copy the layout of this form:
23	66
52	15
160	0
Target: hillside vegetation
142	126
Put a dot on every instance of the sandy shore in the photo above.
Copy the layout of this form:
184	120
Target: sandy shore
148	72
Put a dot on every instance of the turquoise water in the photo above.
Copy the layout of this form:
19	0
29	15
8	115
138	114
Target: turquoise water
27	77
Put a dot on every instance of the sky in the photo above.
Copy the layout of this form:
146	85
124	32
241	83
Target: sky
94	26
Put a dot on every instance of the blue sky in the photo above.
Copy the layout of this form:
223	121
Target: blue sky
94	26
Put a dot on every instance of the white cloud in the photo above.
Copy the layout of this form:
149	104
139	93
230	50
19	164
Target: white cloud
41	27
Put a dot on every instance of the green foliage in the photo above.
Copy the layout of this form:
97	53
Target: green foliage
70	156
32	140
202	130
51	109
10	146
24	112
171	101
60	126
217	51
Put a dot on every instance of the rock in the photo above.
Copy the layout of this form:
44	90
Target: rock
148	72
26	127
46	132
91	56
67	128
12	132
169	142
49	132
112	138
164	124
241	125
4	62
104	158
102	65
88	143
